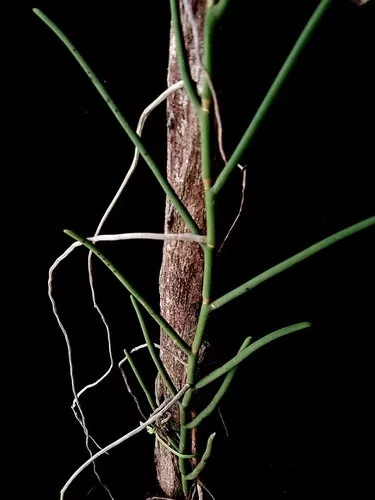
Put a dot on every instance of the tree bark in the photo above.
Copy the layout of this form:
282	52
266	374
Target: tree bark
181	272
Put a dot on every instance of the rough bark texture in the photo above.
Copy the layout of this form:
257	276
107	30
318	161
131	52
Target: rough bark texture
182	266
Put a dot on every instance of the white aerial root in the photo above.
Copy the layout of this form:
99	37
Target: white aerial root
80	422
157	414
54	309
72	380
200	492
223	422
148	236
143	346
170	90
158	498
198	488
244	178
206	489
193	492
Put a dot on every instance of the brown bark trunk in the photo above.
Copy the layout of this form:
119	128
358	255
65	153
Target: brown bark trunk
181	272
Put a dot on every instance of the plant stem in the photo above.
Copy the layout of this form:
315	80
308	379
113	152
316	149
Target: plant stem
212	16
241	356
219	395
159	319
159	365
183	439
205	130
271	94
140	380
189	84
299	257
176	202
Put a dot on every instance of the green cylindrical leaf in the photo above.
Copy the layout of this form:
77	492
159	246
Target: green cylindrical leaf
159	365
159	319
241	356
176	202
206	455
140	380
299	257
271	95
219	395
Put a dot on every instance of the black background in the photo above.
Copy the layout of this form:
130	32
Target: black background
299	413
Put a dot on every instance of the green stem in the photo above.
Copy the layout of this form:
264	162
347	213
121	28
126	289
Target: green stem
166	327
183	439
140	380
182	56
207	286
299	257
206	455
271	95
160	367
205	130
205	127
219	395
241	356
176	202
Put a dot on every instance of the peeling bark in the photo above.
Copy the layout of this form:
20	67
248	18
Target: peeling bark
181	272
